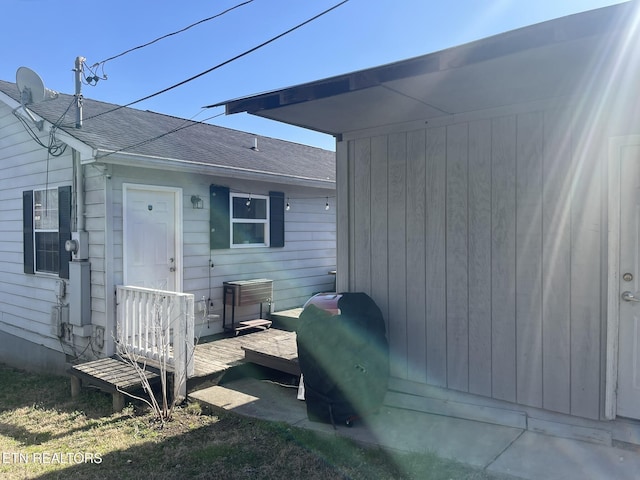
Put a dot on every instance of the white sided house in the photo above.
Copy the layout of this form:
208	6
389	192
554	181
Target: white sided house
488	201
139	199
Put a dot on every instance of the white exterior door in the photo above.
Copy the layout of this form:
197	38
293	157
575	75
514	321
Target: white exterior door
152	237
628	388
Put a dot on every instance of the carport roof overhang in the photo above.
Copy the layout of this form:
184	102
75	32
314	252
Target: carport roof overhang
550	60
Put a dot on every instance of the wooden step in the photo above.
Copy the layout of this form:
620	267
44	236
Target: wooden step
111	375
286	319
252	324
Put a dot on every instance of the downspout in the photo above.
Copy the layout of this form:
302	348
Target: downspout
79	187
79	267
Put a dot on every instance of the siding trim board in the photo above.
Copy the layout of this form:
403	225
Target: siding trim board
613	289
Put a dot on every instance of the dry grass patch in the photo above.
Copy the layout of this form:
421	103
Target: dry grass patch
45	434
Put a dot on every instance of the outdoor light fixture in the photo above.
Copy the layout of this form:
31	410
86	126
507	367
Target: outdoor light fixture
197	202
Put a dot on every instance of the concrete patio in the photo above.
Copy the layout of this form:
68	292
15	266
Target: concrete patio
497	449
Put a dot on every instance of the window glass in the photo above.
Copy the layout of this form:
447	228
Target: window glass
250	208
45	209
249	220
47	253
45	225
248	233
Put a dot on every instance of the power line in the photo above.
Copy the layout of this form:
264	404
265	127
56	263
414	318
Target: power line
173	33
226	62
55	147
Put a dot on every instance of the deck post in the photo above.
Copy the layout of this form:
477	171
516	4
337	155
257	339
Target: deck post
76	386
118	401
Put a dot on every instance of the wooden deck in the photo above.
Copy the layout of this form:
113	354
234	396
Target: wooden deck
273	347
213	358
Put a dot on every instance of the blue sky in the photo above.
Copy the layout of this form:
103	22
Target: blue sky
47	36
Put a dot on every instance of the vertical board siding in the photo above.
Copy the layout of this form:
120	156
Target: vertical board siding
362	205
503	258
416	248
480	257
397	175
489	234
343	247
436	277
457	255
585	271
529	259
556	264
379	225
351	226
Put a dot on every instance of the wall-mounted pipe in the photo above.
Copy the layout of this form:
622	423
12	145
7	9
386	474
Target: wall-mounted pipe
79	190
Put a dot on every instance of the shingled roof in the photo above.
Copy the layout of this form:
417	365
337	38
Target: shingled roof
141	133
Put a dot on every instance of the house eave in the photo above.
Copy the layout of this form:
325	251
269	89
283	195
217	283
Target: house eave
534	63
85	150
200	168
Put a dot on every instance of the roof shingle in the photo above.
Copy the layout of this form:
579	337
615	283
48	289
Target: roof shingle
111	128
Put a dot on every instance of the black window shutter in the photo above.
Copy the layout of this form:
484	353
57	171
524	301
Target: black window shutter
219	217
64	229
27	231
276	219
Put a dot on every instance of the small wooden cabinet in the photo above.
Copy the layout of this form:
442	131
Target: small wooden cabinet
246	292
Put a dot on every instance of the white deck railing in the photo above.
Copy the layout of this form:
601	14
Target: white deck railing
159	326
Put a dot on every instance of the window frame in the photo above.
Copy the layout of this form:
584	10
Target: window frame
260	221
52	208
219	214
64	220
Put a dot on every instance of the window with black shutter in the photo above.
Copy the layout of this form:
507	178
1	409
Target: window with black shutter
46	228
239	220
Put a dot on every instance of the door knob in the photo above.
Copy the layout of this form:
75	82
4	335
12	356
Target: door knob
629	297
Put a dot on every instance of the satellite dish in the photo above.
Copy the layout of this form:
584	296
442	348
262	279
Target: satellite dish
31	87
32	90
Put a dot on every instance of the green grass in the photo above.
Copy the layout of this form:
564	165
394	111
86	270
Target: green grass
45	434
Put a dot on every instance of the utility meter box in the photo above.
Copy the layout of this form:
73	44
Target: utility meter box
78	245
79	291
